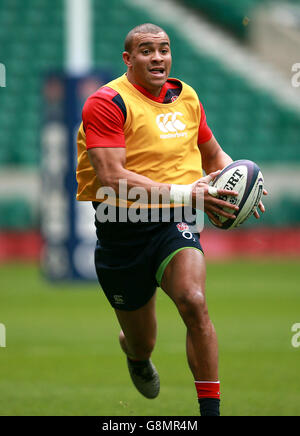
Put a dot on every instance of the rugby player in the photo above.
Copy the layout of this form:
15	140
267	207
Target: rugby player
150	130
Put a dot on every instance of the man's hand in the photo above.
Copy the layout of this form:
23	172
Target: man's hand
212	204
260	206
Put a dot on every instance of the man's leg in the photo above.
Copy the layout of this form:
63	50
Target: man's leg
138	334
184	281
137	339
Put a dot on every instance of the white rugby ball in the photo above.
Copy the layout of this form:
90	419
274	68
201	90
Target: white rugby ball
244	177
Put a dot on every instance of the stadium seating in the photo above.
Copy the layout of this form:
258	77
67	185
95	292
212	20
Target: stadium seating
245	120
31	39
233	15
16	214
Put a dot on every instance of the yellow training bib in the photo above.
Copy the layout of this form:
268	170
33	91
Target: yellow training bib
161	139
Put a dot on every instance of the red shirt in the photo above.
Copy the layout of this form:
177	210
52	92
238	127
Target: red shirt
104	115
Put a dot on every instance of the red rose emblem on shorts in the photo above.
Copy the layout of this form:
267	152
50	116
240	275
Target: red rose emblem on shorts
182	227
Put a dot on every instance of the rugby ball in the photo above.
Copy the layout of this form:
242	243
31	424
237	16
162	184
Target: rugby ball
244	177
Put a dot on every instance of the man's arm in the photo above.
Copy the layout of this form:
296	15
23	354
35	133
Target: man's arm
109	165
213	157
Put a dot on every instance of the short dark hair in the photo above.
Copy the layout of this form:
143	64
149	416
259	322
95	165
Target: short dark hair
142	28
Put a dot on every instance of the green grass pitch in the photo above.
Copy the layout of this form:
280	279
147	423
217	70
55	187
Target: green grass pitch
62	355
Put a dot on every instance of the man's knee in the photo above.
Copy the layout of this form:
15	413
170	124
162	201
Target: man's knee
191	304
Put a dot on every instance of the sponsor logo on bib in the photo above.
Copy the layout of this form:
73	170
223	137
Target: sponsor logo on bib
171	125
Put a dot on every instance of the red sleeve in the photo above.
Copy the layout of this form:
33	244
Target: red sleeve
103	120
204	133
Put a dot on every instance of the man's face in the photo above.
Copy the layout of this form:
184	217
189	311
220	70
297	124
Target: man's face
149	62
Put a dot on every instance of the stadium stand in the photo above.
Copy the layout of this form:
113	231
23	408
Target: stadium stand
16	214
31	35
233	15
31	40
248	122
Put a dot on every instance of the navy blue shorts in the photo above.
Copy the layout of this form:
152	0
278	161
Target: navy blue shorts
130	258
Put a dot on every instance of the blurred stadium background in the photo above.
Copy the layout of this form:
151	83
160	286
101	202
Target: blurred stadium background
242	57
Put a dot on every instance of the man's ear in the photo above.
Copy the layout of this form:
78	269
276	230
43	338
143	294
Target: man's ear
126	58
